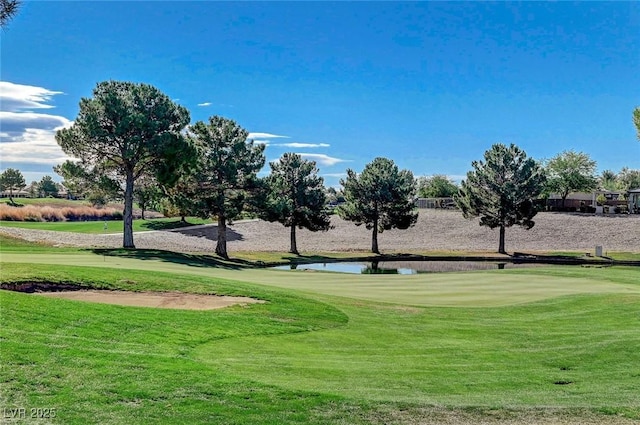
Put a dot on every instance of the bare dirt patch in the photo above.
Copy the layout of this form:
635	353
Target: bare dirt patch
436	230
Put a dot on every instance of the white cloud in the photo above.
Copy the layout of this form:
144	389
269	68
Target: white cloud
322	159
15	97
27	137
204	104
36	146
265	136
302	145
15	123
335	175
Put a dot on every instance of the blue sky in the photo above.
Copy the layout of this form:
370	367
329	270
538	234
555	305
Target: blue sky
431	85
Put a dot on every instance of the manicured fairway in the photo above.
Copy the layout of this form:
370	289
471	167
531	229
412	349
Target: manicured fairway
326	348
97	227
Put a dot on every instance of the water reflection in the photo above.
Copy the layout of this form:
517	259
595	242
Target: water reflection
403	267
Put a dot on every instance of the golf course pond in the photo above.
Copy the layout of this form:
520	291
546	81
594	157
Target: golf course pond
403	267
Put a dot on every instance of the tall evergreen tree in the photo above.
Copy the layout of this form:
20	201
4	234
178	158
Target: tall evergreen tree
124	131
381	198
47	187
501	189
226	171
296	196
11	179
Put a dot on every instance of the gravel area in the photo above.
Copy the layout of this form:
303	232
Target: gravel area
435	230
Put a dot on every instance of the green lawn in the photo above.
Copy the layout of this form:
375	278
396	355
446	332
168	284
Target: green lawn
559	342
46	201
111	226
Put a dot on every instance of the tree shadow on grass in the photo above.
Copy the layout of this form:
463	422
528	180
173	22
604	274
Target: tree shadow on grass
211	233
167	225
193	260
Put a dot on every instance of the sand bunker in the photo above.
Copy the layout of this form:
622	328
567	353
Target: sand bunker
153	299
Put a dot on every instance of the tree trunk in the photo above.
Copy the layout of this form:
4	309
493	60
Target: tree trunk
501	247
221	247
128	212
294	245
374	238
142	211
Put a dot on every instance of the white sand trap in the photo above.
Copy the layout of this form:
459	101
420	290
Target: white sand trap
175	300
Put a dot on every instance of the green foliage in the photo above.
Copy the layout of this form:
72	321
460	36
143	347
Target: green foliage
437	186
225	171
609	180
381	198
296	196
500	190
636	120
179	188
626	179
47	187
124	131
147	193
629	178
334	196
8	9
11	179
571	171
75	178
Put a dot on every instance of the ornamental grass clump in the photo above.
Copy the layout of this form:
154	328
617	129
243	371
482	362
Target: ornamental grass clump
51	214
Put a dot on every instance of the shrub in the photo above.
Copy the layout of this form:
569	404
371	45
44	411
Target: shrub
51	214
48	213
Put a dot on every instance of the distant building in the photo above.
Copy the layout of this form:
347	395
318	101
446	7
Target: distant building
22	193
633	200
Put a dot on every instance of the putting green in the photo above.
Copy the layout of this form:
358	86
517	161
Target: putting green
469	289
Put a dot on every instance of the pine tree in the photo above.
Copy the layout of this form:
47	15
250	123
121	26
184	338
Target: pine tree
226	170
501	190
124	131
296	196
381	198
12	179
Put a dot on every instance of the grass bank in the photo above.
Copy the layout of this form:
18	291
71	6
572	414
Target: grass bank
109	226
560	344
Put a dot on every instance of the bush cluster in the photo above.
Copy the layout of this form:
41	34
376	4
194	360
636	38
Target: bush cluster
47	213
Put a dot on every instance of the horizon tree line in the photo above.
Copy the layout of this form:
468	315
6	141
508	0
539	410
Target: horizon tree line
132	140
